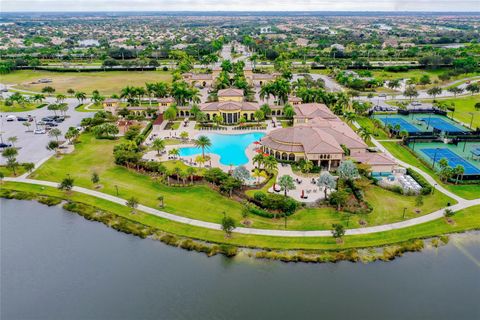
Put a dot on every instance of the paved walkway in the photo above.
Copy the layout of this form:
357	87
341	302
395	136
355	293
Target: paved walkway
264	232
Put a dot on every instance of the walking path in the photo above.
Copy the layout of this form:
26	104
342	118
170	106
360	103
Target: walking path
264	232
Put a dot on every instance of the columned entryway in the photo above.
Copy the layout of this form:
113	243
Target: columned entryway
230	117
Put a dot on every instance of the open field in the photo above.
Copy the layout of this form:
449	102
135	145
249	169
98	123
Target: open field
201	201
467	191
463	107
467	219
108	83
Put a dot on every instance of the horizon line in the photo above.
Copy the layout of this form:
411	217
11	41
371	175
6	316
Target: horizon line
242	11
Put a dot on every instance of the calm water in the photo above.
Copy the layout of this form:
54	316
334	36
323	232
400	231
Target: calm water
230	147
57	265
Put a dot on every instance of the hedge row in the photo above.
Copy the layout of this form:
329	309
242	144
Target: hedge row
426	187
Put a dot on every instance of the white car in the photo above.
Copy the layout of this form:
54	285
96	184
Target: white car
39	131
11	117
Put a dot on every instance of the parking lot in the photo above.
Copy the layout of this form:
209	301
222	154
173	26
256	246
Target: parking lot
32	147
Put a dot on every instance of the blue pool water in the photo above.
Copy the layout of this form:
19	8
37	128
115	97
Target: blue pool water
230	147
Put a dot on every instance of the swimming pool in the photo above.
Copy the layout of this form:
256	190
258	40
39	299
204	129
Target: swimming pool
230	147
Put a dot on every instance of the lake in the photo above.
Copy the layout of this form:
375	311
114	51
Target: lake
57	265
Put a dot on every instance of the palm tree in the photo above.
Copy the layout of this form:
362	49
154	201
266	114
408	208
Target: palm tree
286	183
307	166
434	91
158	145
13	139
11	155
174	152
204	143
161	89
258	159
350	117
459	170
61	97
80	96
128	93
27	125
150	91
259	116
217	119
376	124
270	163
190	172
71	134
201	160
55	133
265	108
38	97
365	134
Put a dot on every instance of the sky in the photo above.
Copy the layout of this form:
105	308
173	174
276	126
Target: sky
240	5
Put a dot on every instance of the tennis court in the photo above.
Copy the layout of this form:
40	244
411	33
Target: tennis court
441	125
404	125
452	158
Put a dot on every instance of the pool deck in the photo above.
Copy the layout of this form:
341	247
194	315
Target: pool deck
310	190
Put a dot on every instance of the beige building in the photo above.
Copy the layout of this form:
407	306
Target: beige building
113	105
202	79
321	137
230	106
258	79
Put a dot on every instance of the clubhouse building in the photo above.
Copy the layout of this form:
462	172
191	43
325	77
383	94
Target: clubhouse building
230	106
320	136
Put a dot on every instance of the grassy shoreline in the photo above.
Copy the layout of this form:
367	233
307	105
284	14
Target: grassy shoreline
464	220
201	202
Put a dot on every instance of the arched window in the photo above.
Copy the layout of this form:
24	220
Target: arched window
284	156
291	157
277	155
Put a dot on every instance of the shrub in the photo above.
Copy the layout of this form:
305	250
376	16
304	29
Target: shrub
426	187
276	202
50	201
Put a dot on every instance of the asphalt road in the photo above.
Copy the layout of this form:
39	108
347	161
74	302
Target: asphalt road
32	147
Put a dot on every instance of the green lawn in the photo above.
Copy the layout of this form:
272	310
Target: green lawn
107	83
467	191
91	108
467	219
19	108
200	201
463	107
367	123
7	172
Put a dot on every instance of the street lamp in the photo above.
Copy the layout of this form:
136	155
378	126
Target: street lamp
429	117
471	121
435	158
404	209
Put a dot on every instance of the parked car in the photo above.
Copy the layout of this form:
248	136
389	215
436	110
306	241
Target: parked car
39	131
51	124
47	119
22	119
11	118
382	95
5	145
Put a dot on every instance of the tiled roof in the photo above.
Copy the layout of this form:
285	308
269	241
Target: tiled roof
230	92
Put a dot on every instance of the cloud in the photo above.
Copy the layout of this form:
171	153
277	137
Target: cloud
240	5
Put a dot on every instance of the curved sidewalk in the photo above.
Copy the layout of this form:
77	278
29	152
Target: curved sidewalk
264	232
